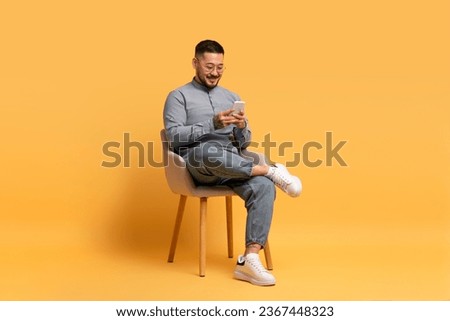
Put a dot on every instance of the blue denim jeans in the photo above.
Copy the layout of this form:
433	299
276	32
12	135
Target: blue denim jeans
218	162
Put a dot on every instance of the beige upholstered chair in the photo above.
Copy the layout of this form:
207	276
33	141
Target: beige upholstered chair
180	182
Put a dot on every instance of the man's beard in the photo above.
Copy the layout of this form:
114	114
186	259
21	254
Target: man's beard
204	82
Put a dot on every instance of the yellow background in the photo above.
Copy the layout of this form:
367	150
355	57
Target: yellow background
77	74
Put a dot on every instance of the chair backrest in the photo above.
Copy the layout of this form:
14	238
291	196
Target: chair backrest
178	177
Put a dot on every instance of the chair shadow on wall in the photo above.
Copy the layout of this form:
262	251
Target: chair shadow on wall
140	226
141	221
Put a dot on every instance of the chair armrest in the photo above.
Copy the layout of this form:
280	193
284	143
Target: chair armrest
178	177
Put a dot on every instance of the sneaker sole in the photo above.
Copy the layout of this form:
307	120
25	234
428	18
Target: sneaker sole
245	277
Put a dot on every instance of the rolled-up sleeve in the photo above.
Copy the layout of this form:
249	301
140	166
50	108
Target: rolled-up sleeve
242	136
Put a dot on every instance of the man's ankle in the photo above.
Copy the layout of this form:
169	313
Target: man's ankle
252	248
260	170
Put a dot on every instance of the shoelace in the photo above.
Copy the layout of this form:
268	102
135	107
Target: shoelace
280	179
257	265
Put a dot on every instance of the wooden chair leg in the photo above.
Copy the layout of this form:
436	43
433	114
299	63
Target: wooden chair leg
203	205
229	208
268	256
176	230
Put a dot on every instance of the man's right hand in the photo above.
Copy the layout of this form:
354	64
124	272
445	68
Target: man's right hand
224	118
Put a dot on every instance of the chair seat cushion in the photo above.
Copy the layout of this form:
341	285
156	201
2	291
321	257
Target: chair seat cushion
211	191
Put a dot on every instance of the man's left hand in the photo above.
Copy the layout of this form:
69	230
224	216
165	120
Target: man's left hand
241	121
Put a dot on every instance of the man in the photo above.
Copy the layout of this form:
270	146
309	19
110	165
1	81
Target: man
202	127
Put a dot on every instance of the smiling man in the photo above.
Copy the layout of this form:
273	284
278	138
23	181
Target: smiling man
203	128
209	68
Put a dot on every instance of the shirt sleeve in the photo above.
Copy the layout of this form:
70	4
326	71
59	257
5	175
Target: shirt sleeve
178	132
242	136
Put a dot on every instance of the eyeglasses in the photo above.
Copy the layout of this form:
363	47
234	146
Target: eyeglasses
210	68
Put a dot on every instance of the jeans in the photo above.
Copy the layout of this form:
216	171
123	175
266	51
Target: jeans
218	162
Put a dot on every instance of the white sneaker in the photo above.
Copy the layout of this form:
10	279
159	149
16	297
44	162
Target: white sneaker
250	269
288	183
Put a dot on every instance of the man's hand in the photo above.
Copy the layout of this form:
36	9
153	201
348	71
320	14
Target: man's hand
225	118
241	121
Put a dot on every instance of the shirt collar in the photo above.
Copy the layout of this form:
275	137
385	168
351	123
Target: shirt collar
200	86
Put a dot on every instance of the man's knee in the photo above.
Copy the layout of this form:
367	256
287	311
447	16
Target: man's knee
210	154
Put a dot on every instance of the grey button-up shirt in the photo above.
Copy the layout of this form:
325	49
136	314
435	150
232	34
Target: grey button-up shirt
189	112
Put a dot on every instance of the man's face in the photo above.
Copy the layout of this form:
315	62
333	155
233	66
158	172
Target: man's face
208	69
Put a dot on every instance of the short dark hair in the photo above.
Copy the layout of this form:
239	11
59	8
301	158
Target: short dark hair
208	46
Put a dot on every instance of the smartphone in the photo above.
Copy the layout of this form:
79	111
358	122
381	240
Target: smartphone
238	106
